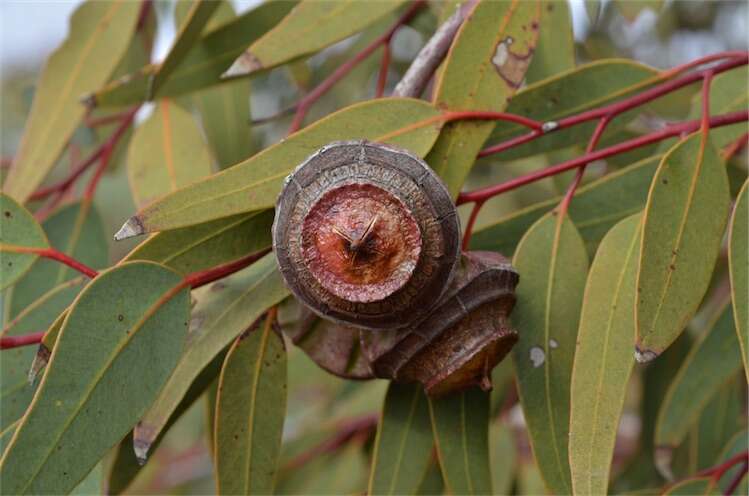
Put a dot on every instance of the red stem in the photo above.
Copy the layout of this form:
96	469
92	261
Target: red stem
718	471
383	75
484	194
471	223
481	115
737	479
71	262
701	61
735	147
305	103
8	342
203	277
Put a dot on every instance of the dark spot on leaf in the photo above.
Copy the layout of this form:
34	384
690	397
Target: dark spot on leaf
549	7
10	264
534	25
8	214
554	100
664	181
120	317
672	267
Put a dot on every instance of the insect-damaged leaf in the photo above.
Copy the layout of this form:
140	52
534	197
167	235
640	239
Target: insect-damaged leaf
76	230
460	423
603	360
717	351
223	310
310	26
208	58
166	153
403	446
20	230
683	226
130	318
485	65
250	413
554	264
99	35
254	184
738	260
596	208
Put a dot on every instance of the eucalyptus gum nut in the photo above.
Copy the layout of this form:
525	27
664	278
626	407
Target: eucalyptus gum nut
366	235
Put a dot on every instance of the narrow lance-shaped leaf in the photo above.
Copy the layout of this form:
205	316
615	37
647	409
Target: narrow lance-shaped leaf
485	65
603	359
460	423
99	35
222	312
76	230
552	259
254	184
718	352
555	51
313	25
89	398
20	230
683	226
167	152
738	262
403	446
197	17
250	413
596	208
502	457
202	67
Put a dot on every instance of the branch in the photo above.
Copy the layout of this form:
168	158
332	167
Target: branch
431	55
9	342
51	254
203	277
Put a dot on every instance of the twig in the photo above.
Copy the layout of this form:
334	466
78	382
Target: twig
310	98
51	254
382	77
417	76
8	342
732	149
203	277
737	479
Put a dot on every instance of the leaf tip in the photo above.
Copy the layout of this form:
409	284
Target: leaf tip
141	447
132	227
644	356
245	64
40	361
663	457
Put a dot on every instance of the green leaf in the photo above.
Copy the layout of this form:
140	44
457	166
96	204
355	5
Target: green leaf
502	457
682	230
76	230
204	63
603	360
692	487
166	153
6	434
20	230
716	351
403	446
99	35
552	260
255	183
250	413
597	206
589	86
89	398
738	262
485	66
460	423
530	481
309	27
555	52
223	311
207	245
719	421
739	443
197	17
729	92
15	390
432	482
342	472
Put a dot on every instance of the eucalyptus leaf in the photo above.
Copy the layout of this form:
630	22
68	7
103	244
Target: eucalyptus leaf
738	262
20	230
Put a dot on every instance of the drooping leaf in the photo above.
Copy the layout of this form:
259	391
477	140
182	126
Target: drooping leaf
313	25
485	66
99	35
76	230
683	226
254	184
603	360
88	398
586	87
738	262
555	52
19	229
596	208
204	63
166	153
552	259
403	446
502	457
713	359
223	311
460	423
207	245
15	390
250	413
197	17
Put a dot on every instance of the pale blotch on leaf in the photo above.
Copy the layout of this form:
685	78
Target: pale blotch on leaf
537	356
553	344
644	356
511	66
